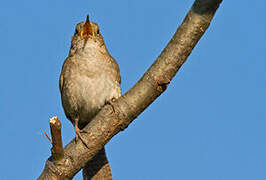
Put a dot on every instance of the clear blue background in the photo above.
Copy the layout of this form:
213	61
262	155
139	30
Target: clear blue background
210	124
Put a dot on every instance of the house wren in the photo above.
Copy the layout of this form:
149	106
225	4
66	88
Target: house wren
90	77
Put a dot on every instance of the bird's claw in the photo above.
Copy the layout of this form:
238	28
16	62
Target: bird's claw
78	134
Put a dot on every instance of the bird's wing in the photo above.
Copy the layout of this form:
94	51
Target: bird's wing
118	77
61	80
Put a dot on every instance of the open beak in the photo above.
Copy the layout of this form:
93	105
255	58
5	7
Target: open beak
87	29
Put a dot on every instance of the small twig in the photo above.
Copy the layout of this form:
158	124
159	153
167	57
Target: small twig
46	135
57	149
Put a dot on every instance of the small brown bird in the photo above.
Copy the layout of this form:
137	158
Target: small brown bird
90	77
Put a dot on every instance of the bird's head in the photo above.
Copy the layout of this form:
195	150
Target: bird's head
87	29
87	34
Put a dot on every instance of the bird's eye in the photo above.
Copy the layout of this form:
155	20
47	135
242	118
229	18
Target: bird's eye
76	31
98	31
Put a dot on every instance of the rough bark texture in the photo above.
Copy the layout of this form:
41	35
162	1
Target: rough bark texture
57	150
108	123
97	168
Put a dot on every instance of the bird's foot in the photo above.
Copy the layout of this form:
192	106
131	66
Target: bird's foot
78	134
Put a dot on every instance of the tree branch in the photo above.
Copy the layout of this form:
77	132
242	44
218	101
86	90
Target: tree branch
154	82
57	149
97	168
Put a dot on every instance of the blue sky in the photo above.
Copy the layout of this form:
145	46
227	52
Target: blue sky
210	124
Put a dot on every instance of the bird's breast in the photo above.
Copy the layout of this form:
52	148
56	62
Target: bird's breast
86	88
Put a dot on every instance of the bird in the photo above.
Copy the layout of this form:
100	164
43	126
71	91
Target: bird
90	77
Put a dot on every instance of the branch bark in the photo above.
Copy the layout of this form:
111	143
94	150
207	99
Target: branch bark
97	168
111	120
57	149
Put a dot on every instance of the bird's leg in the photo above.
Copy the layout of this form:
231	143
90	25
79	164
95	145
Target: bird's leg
78	133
